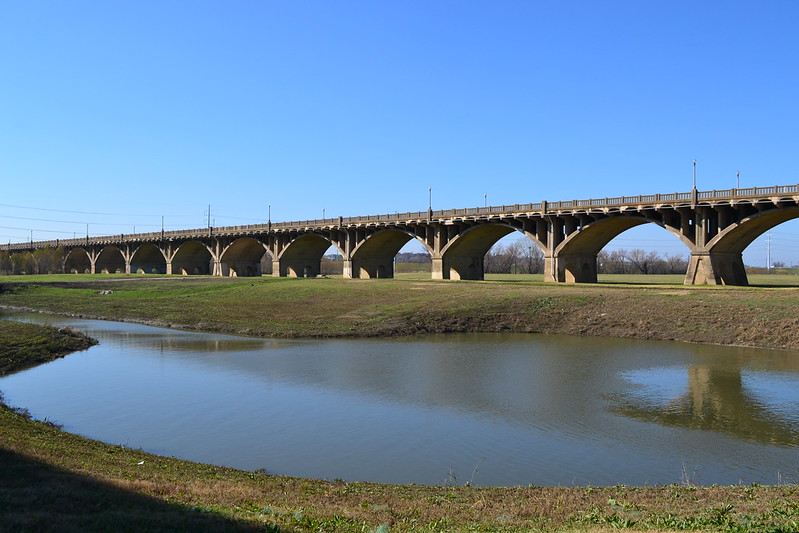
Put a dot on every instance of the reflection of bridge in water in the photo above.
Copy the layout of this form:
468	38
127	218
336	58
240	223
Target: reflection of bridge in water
717	399
715	226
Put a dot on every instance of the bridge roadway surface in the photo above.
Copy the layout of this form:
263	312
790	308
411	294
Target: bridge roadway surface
716	226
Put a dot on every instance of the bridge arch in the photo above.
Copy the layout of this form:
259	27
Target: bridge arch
723	255
148	259
110	261
77	261
736	237
242	257
192	258
374	257
462	257
302	256
575	259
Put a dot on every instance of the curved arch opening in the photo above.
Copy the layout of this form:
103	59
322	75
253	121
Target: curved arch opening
644	250
375	257
110	261
77	262
464	256
242	258
514	254
148	259
581	257
192	258
302	258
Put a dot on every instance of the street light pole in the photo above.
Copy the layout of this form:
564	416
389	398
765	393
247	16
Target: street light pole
430	198
694	174
737	180
485	200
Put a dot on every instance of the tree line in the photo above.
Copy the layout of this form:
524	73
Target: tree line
40	261
514	258
522	258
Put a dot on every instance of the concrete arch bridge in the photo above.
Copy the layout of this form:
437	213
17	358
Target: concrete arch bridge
715	226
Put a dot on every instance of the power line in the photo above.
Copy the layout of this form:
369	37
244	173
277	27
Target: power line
73	221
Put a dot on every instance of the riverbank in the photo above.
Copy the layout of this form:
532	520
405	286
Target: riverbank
54	481
287	308
26	345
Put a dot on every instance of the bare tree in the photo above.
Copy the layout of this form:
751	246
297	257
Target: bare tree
643	262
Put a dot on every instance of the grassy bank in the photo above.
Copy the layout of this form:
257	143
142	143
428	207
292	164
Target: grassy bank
27	345
283	307
54	481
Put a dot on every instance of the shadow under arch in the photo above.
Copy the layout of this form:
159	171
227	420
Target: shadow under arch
148	259
242	257
576	256
302	257
77	262
192	258
374	257
463	256
110	261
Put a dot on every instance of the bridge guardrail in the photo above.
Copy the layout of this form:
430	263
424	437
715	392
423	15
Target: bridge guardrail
423	215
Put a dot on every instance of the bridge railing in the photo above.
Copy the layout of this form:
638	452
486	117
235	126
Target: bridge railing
486	211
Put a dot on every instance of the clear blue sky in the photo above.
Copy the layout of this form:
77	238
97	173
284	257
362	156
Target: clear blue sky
116	113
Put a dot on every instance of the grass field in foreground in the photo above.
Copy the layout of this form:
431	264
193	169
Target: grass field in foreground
54	481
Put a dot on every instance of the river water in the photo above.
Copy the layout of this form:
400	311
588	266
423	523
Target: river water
487	409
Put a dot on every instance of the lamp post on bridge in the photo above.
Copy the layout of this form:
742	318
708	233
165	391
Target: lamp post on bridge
737	180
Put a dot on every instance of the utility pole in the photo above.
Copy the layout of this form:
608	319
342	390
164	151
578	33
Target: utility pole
768	251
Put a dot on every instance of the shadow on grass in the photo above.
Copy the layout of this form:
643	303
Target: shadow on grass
35	496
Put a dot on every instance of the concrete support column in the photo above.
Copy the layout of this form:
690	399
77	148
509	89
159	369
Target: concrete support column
127	266
437	269
372	268
463	267
550	269
716	268
347	272
576	268
168	267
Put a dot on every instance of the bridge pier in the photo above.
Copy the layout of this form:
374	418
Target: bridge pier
716	268
369	268
296	268
575	268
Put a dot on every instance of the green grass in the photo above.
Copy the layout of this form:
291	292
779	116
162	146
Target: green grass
25	345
